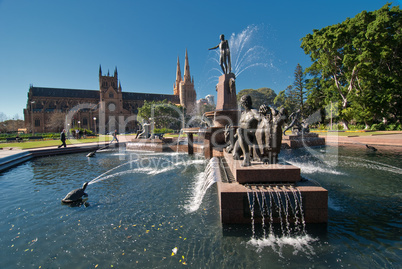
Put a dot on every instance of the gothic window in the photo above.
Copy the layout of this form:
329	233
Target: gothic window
111	95
37	122
85	121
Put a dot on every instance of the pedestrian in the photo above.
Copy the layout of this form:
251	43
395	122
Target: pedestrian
63	138
114	137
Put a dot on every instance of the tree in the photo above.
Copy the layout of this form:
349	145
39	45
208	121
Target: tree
259	96
165	115
361	60
3	117
11	126
56	122
298	92
284	99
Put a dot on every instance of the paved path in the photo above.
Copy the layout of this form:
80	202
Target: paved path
382	139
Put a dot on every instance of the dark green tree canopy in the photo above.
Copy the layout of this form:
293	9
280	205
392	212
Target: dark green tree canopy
259	96
358	64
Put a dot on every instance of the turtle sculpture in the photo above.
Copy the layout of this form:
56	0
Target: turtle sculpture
91	154
75	195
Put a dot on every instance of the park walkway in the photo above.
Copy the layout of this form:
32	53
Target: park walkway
394	139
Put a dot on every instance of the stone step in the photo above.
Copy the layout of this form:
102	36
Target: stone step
262	173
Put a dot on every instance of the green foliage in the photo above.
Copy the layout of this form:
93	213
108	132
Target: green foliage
259	96
298	92
358	64
354	127
163	130
378	127
284	100
393	127
165	115
294	96
338	127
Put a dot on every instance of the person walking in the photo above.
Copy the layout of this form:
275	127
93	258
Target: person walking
114	137
63	138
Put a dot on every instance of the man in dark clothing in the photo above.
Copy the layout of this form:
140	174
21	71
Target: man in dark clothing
63	138
114	137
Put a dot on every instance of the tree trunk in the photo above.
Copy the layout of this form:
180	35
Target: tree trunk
345	124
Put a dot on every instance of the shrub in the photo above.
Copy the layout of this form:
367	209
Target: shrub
378	127
391	127
358	126
338	127
163	130
394	127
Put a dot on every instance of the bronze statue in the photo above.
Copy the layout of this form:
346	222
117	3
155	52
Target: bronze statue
264	135
278	119
144	133
259	134
232	142
298	125
247	127
225	55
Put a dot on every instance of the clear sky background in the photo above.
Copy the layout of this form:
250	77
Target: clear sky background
60	44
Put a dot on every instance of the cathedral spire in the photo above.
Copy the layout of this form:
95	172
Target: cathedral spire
100	70
176	86
187	76
178	71
115	72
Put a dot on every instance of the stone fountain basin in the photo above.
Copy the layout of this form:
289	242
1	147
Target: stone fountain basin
221	118
233	193
234	205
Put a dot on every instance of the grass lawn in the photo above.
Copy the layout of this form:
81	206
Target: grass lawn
49	143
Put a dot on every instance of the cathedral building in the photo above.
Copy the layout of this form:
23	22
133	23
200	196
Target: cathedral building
184	86
100	110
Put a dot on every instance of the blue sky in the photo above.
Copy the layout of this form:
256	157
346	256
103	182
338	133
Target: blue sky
61	44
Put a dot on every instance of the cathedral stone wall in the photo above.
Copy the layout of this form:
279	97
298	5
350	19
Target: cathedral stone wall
109	104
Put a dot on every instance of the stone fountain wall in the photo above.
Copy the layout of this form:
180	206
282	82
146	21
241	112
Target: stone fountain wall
233	190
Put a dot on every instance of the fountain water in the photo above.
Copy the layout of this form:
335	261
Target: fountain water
247	55
245	52
139	217
204	181
282	202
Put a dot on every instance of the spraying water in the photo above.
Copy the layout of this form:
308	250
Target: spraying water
150	165
245	52
204	181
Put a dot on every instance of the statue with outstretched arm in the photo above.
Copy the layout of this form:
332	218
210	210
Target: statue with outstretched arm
225	55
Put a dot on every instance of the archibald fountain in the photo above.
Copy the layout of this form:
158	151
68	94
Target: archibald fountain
255	186
150	210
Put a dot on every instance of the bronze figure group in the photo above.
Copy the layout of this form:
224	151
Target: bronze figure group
259	134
